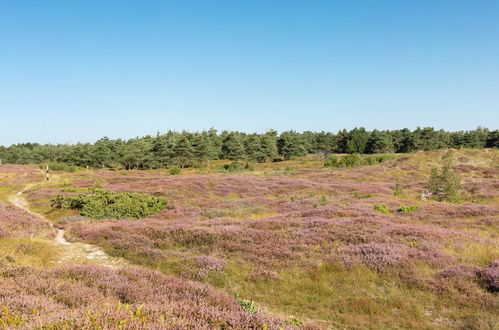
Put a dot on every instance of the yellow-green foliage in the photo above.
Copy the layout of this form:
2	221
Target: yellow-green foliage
406	209
381	208
28	251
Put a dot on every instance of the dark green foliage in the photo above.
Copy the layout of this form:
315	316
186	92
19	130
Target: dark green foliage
357	141
234	167
291	144
492	139
443	184
269	146
183	152
233	147
379	142
100	204
186	149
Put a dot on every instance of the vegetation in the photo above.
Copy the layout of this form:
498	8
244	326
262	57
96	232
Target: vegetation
410	208
443	184
381	208
232	250
354	160
398	189
186	149
59	167
100	204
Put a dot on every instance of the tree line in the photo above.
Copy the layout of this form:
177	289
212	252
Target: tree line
187	149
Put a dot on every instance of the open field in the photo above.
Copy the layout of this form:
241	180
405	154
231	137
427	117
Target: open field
297	244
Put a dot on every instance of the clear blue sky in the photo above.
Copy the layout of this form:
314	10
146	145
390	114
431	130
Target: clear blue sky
81	69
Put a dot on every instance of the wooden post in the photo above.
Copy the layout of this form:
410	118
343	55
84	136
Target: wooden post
47	172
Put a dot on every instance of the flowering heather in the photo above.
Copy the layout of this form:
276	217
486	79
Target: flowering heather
97	297
19	175
489	277
275	234
14	221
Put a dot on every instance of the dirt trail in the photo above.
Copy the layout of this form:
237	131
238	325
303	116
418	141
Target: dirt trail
72	252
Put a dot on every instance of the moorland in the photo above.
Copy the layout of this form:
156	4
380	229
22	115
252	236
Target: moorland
271	245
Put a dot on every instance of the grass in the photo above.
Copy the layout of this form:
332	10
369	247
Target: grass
277	236
34	252
359	297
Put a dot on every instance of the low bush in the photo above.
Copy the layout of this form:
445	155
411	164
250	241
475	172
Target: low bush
398	189
381	208
406	209
443	184
354	160
100	204
175	170
363	196
236	166
59	167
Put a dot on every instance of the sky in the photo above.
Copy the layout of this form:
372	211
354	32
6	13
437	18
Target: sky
82	69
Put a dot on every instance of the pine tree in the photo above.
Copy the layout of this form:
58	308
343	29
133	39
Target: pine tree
201	148
356	141
253	148
379	142
269	145
233	147
290	144
183	152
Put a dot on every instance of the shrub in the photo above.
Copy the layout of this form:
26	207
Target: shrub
108	204
233	167
175	170
59	167
488	277
247	305
443	184
362	196
344	161
398	189
406	209
353	160
381	208
332	161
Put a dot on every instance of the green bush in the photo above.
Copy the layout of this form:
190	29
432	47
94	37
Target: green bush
344	161
353	160
59	167
175	170
100	204
363	196
443	184
234	166
406	209
381	209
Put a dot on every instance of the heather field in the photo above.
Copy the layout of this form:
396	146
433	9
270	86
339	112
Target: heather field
286	244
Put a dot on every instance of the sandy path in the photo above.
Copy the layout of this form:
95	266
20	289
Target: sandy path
72	252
